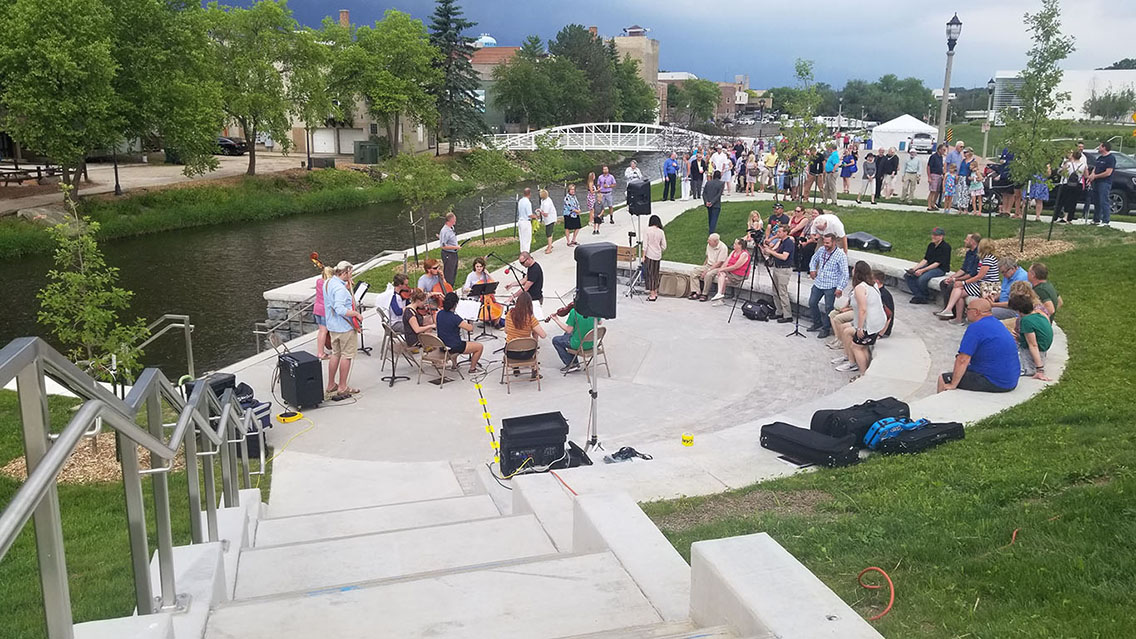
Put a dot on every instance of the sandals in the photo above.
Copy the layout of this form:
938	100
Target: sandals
652	299
702	298
692	296
351	391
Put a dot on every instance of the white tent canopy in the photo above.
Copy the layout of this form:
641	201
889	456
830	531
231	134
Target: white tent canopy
893	132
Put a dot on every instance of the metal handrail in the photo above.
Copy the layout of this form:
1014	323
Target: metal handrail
217	424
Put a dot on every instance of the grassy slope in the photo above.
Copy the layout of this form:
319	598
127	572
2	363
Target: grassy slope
1058	468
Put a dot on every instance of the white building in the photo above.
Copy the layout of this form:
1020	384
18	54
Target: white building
1080	85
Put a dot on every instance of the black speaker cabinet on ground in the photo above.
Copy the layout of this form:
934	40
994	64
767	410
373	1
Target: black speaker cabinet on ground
537	437
301	379
219	382
639	197
595	280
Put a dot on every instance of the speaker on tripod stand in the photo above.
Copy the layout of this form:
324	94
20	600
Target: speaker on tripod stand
639	197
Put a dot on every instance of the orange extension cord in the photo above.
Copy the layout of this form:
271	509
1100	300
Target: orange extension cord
891	587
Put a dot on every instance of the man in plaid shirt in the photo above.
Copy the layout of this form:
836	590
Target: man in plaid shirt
829	270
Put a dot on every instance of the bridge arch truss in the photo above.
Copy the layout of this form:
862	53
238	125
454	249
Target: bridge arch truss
603	136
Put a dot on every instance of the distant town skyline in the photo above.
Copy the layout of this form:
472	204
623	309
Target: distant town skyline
847	41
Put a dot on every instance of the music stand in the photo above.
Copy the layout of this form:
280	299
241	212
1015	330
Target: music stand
481	291
361	290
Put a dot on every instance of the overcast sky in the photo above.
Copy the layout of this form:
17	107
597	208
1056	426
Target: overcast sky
846	40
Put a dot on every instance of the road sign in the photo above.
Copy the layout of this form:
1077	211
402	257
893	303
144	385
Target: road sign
950	135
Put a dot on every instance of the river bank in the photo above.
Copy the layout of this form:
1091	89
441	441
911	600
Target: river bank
263	197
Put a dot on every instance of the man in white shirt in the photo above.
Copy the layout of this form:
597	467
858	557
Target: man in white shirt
524	221
826	223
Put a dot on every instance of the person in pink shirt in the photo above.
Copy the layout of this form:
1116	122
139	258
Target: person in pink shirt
735	269
319	312
654	243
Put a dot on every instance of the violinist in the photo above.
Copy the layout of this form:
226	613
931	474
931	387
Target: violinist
398	300
575	327
490	310
416	318
520	322
533	281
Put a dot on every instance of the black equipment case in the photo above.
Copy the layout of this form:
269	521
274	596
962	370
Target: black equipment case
920	439
810	446
856	420
540	437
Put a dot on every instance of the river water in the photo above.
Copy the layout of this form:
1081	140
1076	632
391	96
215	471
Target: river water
217	274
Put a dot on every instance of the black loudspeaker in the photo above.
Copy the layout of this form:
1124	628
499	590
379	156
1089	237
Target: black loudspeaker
639	197
539	438
595	280
301	379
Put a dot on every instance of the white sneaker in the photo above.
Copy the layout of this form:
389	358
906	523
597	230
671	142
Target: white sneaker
945	313
839	360
717	297
847	367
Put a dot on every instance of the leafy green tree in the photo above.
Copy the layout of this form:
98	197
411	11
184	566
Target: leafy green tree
313	98
57	72
596	60
532	48
521	89
636	99
1126	63
547	162
418	179
564	101
491	168
696	100
81	302
1111	105
459	109
804	131
1030	128
252	54
391	67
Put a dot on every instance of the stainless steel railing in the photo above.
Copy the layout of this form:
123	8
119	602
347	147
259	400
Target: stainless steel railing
207	427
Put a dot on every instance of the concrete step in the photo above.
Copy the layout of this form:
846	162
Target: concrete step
560	597
314	566
671	630
376	519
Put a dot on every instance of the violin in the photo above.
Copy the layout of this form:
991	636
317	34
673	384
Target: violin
563	311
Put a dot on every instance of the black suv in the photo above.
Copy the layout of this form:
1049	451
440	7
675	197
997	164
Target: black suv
1123	181
231	146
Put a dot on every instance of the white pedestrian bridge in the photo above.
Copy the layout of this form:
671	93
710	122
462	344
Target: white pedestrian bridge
602	136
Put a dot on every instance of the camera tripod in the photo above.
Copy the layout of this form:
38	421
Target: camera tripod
758	236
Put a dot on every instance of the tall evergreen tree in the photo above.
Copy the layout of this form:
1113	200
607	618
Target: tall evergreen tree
597	60
459	109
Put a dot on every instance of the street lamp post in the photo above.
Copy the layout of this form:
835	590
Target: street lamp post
840	114
954	29
989	115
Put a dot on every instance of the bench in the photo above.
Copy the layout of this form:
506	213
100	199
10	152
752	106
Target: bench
19	176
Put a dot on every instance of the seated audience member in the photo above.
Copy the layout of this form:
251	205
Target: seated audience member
1038	275
987	360
778	217
1011	273
735	270
936	261
968	270
868	320
1035	334
982	283
415	319
798	223
700	279
450	326
398	300
520	322
575	328
888	301
829	271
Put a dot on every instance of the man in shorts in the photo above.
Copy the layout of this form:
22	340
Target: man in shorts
987	359
606	182
339	311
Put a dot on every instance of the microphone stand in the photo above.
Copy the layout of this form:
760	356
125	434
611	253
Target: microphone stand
797	315
509	268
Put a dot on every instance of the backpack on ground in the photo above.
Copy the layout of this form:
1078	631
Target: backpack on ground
919	440
809	446
760	310
856	420
889	427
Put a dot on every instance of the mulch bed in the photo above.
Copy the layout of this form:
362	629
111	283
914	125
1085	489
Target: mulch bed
94	461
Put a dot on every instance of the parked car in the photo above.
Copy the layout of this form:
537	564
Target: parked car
923	143
231	146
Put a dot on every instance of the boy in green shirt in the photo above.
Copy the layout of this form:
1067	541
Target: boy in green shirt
1035	336
575	328
1039	279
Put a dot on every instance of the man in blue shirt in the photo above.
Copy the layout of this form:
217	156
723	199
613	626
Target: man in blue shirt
1100	181
670	177
339	309
987	359
954	156
1011	273
829	270
831	167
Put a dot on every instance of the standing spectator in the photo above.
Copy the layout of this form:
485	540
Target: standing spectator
869	177
987	360
831	168
725	166
1035	335
320	314
701	277
1071	190
594	218
848	166
740	173
935	177
712	198
685	175
1039	192
912	168
605	182
1100	181
954	156
752	173
769	170
571	216
977	188
936	261
524	220
448	240
1038	275
950	187
632	172
883	164
654	243
893	172
816	159
670	177
807	242
1012	193
697	171
783	253
547	218
829	271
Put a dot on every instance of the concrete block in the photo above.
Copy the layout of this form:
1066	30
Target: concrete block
156	626
199	573
326	564
233	533
755	586
613	521
543	496
361	521
250	501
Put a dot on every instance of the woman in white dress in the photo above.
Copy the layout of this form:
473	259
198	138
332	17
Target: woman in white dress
548	217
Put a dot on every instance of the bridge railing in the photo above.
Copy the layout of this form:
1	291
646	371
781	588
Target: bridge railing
615	136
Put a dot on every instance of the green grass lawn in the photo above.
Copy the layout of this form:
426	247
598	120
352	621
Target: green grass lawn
95	536
1058	468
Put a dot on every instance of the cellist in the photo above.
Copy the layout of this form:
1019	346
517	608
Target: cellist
490	311
433	283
